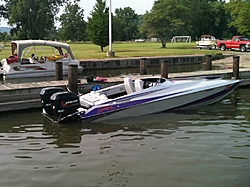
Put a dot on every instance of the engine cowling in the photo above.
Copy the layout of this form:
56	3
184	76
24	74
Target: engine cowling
45	95
64	103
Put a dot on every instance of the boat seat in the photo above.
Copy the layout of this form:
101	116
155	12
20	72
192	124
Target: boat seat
138	85
128	84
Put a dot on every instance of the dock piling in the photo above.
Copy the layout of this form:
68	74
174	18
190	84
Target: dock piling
209	62
143	66
73	78
236	66
164	69
59	71
2	77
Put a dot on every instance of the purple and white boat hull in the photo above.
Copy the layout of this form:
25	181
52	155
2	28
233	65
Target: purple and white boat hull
168	95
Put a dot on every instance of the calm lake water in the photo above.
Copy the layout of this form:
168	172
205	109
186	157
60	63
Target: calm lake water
207	146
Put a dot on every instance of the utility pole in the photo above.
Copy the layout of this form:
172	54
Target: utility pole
110	53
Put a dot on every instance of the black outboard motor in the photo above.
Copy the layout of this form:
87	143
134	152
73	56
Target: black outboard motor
64	104
45	95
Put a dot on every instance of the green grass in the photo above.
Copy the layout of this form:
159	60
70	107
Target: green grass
128	49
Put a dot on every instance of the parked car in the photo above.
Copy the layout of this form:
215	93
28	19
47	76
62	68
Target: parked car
237	42
206	41
140	40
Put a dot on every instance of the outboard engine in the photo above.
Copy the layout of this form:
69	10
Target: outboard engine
64	104
45	95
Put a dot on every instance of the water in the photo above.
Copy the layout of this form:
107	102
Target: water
209	146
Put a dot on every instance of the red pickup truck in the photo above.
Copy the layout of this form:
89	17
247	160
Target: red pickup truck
238	42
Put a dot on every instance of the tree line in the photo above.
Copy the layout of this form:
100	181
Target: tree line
35	19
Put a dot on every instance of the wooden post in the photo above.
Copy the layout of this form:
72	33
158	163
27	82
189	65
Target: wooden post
73	78
59	71
236	66
1	77
164	69
143	66
209	62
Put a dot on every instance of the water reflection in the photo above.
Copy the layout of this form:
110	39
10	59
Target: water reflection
66	136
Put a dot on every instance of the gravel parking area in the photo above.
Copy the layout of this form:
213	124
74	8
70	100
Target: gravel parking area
228	62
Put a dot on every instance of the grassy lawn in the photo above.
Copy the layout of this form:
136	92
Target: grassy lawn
128	49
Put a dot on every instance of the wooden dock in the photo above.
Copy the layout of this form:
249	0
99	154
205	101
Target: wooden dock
27	95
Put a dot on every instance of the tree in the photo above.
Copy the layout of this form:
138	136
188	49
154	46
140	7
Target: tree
128	23
200	19
141	33
166	19
218	24
31	19
72	22
240	15
98	25
116	29
205	17
4	36
53	34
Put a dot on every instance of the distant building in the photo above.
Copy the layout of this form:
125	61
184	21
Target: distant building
154	39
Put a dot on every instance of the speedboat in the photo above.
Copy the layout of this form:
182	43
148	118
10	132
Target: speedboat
134	98
29	58
206	41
